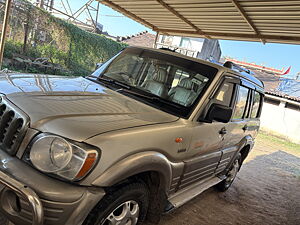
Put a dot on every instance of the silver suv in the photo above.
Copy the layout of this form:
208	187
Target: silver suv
145	133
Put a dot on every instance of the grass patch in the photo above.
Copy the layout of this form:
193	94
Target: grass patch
285	144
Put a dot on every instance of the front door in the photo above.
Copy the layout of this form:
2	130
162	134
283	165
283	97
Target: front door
207	142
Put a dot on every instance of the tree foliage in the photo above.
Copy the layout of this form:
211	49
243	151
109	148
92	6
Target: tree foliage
66	44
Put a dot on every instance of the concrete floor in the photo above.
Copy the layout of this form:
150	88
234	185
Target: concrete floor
266	191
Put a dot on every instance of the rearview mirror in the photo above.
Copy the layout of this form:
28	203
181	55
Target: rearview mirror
219	113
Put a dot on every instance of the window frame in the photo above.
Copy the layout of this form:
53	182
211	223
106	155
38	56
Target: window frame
258	114
225	81
260	105
250	100
247	106
225	78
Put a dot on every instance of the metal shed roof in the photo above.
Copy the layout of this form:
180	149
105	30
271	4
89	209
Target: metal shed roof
248	20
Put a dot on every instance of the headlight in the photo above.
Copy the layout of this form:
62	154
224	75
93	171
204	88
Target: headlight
56	155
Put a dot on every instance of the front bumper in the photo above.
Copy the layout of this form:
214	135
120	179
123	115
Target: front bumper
29	197
27	193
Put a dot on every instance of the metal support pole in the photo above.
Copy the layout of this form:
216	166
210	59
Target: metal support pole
41	4
93	22
97	13
156	39
4	29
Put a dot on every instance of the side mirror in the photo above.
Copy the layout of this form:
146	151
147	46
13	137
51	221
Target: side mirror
219	113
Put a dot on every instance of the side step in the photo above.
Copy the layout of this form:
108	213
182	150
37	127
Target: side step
185	195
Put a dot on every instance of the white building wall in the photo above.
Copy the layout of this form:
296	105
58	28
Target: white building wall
196	47
197	44
281	120
176	41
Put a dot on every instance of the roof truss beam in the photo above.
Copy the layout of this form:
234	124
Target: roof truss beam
247	19
172	10
129	14
252	37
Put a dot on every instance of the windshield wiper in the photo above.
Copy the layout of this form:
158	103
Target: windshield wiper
110	81
150	97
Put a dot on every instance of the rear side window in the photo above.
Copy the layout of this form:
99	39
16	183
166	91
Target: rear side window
256	105
241	103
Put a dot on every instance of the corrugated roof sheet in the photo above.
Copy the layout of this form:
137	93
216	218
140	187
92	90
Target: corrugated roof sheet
248	20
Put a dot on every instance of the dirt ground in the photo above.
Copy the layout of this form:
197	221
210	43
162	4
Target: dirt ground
266	191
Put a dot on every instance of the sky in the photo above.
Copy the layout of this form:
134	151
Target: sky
273	55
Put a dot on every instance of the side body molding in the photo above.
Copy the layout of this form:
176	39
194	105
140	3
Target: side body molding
138	163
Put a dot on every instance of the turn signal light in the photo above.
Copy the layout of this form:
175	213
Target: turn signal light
87	166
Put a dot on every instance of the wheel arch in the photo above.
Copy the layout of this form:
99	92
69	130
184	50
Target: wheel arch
245	147
152	168
245	151
135	165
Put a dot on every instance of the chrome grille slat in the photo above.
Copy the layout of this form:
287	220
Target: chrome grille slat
12	132
13	125
4	123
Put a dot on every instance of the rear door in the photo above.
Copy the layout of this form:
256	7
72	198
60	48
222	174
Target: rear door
241	124
254	113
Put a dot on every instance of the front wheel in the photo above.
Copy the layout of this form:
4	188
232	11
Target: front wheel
231	174
126	205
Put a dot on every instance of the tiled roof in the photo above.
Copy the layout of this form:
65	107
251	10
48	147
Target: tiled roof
282	95
272	82
142	39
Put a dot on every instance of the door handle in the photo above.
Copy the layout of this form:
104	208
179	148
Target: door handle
223	131
245	128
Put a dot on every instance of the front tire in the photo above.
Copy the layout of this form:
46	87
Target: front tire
231	174
126	205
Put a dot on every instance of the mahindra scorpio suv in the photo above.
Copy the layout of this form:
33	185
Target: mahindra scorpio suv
146	132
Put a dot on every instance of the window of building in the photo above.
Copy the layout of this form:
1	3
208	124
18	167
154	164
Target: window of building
185	43
271	101
168	40
241	103
163	38
292	106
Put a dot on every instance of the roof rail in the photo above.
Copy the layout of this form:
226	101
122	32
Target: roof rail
168	49
236	67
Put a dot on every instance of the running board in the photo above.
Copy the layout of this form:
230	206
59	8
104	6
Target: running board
185	195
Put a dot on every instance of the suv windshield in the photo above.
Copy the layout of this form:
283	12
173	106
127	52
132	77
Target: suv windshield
158	78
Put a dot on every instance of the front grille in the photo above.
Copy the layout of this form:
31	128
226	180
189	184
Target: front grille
12	126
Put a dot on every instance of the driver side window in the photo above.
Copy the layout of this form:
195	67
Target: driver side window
222	97
224	94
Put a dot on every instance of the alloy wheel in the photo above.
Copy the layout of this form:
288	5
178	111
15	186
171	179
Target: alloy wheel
125	214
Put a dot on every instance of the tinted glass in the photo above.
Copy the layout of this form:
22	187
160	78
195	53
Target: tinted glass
241	103
256	104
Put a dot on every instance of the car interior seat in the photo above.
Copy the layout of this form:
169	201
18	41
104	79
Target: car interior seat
157	85
183	93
